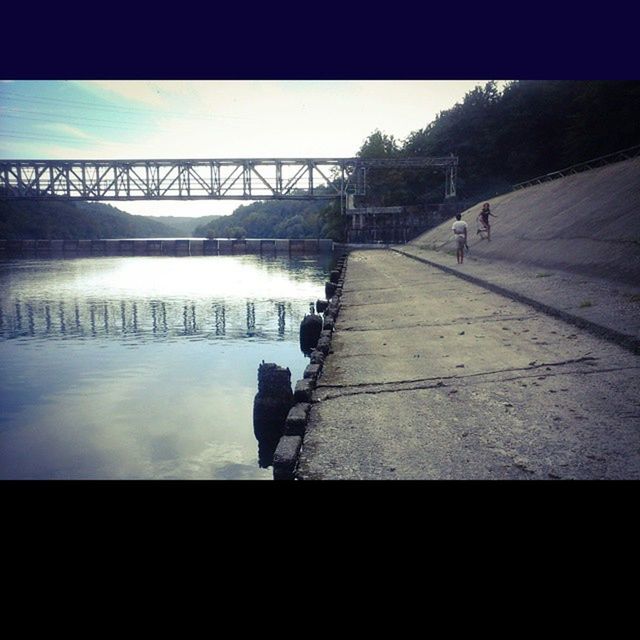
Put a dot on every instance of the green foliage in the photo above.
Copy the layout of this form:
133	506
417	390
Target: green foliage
530	128
237	232
333	222
379	145
385	187
271	219
184	225
65	220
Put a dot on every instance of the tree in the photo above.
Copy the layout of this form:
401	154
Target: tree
238	233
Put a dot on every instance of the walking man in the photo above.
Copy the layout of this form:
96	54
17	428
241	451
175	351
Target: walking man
460	233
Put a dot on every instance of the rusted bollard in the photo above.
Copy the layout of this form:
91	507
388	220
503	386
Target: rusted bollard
271	406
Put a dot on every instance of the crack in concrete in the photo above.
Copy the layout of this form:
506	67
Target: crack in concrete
531	367
359	289
449	323
398	387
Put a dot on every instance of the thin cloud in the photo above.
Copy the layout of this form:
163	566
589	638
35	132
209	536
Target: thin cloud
66	129
143	92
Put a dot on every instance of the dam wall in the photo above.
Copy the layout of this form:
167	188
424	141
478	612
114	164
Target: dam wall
153	247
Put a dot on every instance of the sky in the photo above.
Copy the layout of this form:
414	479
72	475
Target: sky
187	119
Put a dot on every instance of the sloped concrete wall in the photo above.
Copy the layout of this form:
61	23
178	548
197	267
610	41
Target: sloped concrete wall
587	223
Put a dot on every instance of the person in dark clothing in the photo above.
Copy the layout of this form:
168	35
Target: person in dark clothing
483	219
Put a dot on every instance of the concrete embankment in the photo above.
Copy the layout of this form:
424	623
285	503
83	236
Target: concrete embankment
520	363
431	376
588	223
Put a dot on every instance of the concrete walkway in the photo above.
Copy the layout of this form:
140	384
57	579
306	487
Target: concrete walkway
606	307
432	376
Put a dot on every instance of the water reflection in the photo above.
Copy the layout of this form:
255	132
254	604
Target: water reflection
148	320
282	322
144	367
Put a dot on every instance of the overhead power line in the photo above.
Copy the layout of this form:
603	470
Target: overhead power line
131	110
48	118
44	138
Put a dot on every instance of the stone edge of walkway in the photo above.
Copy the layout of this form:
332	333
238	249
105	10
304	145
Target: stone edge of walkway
287	453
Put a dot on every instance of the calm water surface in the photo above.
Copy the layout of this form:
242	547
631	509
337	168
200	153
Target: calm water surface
144	367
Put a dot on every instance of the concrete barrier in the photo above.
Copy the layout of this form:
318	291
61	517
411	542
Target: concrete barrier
311	246
210	247
126	247
303	390
14	247
168	248
252	246
197	247
98	247
139	248
182	247
285	458
287	452
296	422
312	371
267	246
112	247
56	247
84	247
154	247
282	246
224	246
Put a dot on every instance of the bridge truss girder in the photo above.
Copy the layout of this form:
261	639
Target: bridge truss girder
226	179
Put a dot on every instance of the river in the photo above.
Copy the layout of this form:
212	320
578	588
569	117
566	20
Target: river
144	367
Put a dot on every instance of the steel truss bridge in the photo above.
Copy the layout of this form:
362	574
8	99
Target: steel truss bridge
226	179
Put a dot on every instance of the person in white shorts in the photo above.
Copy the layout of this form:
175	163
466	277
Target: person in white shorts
460	232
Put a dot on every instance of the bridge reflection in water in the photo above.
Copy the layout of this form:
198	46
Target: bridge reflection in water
148	320
144	367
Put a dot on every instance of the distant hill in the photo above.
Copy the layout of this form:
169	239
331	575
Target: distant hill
271	219
65	220
184	226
